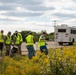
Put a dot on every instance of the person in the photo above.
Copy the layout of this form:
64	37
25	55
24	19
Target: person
8	42
1	41
18	40
42	43
21	40
30	40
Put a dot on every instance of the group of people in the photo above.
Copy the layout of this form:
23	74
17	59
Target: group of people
17	40
30	41
9	40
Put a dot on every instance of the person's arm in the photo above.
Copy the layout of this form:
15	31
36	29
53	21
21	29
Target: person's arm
5	39
3	36
26	39
34	39
14	38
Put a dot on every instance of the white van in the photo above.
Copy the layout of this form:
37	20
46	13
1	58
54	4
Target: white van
65	34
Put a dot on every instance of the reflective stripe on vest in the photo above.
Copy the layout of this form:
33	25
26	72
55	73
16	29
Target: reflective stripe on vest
1	39
8	40
41	42
30	40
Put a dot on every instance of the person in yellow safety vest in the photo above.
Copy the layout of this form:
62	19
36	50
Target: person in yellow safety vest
1	40
42	43
18	41
29	44
8	42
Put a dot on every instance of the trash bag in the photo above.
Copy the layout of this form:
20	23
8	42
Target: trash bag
14	49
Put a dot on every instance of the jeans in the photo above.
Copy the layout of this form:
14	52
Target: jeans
44	49
31	51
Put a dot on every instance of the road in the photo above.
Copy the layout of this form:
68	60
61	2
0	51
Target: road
49	45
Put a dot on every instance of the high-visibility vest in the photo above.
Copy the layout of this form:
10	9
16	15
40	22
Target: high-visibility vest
41	42
30	40
21	39
17	40
1	39
8	40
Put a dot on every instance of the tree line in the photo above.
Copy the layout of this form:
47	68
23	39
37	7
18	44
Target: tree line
49	36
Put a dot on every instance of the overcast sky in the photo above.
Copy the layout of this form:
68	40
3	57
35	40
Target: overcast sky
36	15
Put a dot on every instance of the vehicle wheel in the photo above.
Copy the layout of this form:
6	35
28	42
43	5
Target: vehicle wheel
70	43
60	43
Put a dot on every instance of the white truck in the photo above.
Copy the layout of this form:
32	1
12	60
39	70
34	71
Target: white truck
65	34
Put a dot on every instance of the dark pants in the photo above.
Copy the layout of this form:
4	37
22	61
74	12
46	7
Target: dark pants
8	48
1	47
31	51
19	48
44	49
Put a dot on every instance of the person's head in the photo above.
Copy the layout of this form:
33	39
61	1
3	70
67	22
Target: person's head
9	33
16	32
2	31
30	33
44	33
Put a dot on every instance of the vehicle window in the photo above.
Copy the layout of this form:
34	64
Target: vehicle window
73	31
61	30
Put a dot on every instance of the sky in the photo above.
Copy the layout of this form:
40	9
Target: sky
36	15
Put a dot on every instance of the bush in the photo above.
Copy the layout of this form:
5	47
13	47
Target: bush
61	61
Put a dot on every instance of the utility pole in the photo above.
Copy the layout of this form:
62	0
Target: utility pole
55	22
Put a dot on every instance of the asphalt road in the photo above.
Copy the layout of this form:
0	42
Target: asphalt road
49	45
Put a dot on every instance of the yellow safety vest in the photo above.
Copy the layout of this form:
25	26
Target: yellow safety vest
41	42
30	40
8	40
21	39
1	39
17	40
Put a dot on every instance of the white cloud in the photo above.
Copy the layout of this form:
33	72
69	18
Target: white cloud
36	15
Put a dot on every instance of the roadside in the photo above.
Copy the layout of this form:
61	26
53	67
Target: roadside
51	44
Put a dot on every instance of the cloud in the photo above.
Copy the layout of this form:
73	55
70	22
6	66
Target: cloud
7	1
22	14
7	20
29	2
64	15
74	0
36	15
38	8
23	2
7	7
33	26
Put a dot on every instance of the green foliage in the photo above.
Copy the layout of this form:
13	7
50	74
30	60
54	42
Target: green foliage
48	36
51	36
24	34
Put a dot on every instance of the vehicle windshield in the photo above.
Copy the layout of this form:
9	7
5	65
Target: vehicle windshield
61	30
